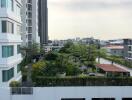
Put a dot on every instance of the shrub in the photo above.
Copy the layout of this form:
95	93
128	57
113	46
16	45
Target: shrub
15	84
82	81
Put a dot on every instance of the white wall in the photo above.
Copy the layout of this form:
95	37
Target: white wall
56	93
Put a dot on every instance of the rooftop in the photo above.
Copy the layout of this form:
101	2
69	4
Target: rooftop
110	68
115	47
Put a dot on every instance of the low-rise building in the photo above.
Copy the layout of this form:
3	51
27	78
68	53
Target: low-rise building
116	50
128	49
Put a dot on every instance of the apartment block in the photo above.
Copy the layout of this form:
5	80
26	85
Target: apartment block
10	41
43	22
128	49
30	22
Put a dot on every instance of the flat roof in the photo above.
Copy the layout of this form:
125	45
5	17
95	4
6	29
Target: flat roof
110	68
115	47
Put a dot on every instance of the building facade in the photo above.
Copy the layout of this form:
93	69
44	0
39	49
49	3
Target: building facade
116	50
30	22
128	49
43	22
10	41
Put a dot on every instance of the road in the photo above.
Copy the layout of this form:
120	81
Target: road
104	61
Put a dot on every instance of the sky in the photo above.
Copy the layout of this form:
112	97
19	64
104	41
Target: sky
102	19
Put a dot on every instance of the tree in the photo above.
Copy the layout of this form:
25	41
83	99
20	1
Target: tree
66	47
38	69
51	56
72	69
101	53
29	52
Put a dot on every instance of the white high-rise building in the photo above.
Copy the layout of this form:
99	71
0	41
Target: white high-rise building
10	41
30	22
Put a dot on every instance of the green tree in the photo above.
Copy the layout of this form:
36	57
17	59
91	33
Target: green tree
66	47
38	69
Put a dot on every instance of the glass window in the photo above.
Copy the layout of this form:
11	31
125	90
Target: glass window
29	15
126	98
29	29
10	4
18	49
18	29
7	51
29	7
7	27
103	98
3	3
18	68
29	1
18	11
7	74
4	27
29	36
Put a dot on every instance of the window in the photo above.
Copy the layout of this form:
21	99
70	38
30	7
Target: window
18	11
29	1
7	74
29	29
4	27
103	98
129	48
18	68
73	99
29	36
29	15
126	98
29	22
3	3
10	5
29	7
18	49
7	4
18	29
7	51
7	27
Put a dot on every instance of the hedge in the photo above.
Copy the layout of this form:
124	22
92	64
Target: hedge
79	81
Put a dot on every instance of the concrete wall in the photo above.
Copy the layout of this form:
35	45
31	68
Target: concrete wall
56	93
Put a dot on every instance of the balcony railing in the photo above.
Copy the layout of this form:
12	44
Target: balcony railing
21	91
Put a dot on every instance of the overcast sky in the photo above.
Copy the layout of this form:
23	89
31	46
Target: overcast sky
103	19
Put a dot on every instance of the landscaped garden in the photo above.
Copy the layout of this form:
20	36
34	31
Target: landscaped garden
74	64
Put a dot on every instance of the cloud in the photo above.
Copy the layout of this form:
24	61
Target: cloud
83	5
99	18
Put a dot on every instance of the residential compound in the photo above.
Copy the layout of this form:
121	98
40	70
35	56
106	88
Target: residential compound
30	22
10	41
121	47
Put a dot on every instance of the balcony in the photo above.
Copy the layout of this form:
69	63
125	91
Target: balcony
8	37
7	62
5	13
21	91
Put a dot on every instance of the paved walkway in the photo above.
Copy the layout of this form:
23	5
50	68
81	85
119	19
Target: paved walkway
104	61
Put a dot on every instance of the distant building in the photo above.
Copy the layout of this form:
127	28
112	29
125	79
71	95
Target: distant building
120	47
116	50
89	41
128	49
43	21
30	22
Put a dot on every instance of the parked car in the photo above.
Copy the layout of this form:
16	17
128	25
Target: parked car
92	74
